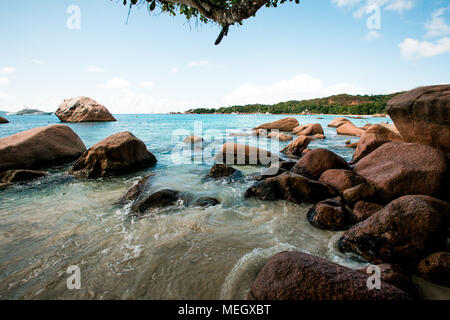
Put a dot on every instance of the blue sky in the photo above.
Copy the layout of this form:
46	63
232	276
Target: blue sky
157	63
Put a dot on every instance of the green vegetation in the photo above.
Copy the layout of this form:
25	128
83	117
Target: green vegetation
339	104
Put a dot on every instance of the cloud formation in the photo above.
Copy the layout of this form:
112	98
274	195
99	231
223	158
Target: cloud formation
7	70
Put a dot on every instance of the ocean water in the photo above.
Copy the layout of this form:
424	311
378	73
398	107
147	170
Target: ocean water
177	253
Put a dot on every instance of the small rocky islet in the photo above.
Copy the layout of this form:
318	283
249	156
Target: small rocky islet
391	201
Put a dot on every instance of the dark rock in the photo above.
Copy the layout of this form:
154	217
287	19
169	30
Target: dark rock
3	120
206	202
363	191
136	191
436	268
340	179
300	276
160	199
10	176
222	170
329	215
296	147
364	210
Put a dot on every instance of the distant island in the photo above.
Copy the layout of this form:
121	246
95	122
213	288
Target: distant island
337	104
30	112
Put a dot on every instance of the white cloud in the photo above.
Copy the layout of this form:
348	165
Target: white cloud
299	87
94	69
390	5
373	35
400	5
200	63
4	81
146	84
437	26
415	49
35	61
115	83
345	3
7	70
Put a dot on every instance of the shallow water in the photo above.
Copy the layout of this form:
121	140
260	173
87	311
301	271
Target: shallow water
176	253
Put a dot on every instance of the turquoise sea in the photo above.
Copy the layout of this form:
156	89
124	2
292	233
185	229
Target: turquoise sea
178	253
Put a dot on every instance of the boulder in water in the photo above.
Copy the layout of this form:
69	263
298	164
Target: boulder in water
83	109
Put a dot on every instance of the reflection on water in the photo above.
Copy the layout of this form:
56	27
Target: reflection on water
179	253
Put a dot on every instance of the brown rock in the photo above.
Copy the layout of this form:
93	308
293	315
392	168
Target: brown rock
404	231
10	176
374	137
118	154
3	120
330	215
234	153
363	191
436	268
279	136
349	129
136	191
160	199
318	136
364	210
40	148
296	147
422	116
317	161
335	123
222	170
301	276
193	140
308	129
340	179
398	169
83	109
286	125
290	187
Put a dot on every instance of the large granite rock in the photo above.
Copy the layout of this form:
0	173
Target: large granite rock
349	129
279	136
337	122
404	231
301	276
296	147
397	169
286	125
329	214
340	179
310	129
422	116
3	120
83	109
235	153
40	148
118	154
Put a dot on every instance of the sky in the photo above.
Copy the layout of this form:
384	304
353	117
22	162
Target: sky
52	50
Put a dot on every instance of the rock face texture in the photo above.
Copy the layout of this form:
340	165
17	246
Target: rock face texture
404	231
118	154
222	170
300	276
317	161
160	199
364	210
234	153
374	137
423	116
296	147
349	129
308	129
340	179
3	120
136	191
286	125
337	122
10	176
40	148
83	109
397	169
330	215
436	268
291	187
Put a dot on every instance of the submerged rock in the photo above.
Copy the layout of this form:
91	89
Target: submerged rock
296	147
40	148
118	154
404	231
10	176
301	276
422	116
285	125
136	191
160	199
436	268
206	202
317	161
83	109
219	171
291	187
234	153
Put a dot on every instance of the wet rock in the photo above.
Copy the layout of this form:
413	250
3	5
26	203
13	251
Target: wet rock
285	125
398	169
337	122
318	136
340	179
404	231
286	165
83	109
364	210
291	187
219	171
279	136
422	116
193	140
3	120
308	130
118	154
234	153
11	176
206	202
349	129
317	161
136	191
363	191
374	137
436	268
301	276
329	215
40	148
161	199
296	147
